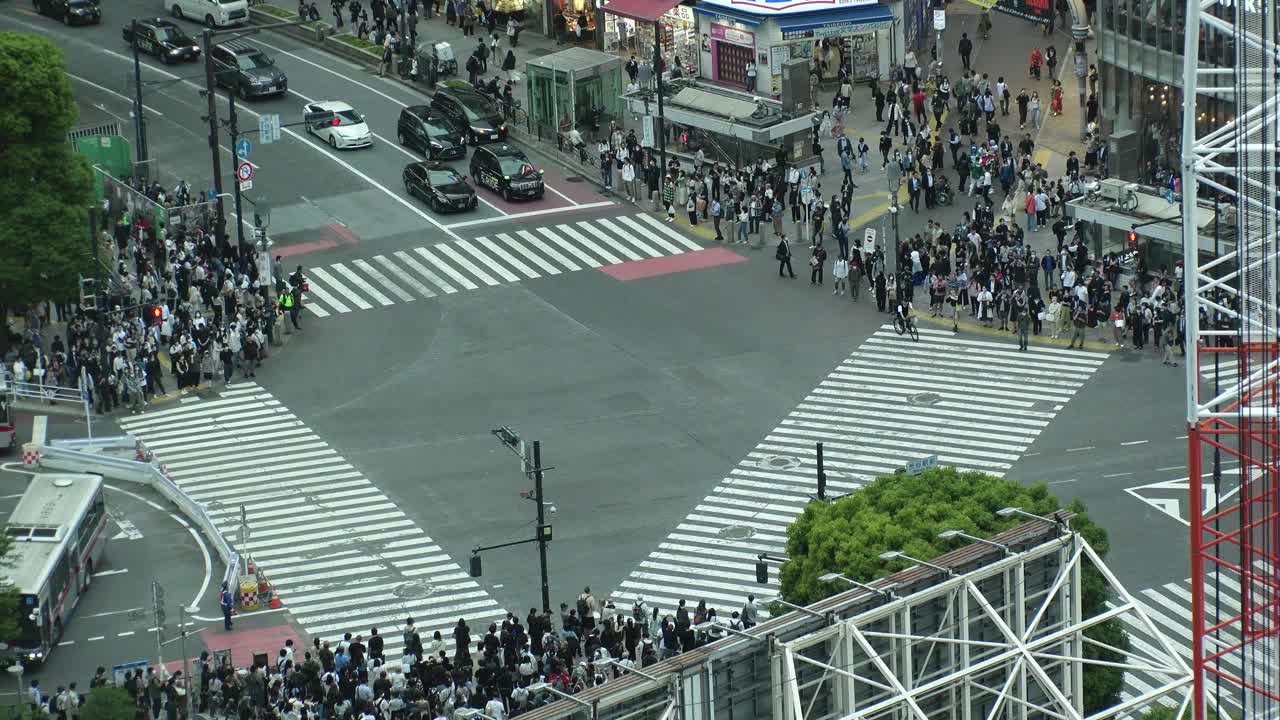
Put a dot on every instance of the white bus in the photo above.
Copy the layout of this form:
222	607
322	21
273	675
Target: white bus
59	535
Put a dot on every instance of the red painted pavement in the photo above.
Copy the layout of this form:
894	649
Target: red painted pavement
243	644
302	248
653	267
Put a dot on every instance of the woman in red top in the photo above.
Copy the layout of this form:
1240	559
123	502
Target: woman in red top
1055	99
1036	61
917	104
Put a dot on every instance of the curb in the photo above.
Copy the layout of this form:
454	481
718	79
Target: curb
1044	340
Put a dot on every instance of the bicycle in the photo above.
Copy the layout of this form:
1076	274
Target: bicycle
909	326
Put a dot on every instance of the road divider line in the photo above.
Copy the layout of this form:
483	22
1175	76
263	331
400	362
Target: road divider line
318	66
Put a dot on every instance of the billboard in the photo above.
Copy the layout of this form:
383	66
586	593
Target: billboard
779	8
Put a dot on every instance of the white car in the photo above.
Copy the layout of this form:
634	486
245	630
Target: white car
344	129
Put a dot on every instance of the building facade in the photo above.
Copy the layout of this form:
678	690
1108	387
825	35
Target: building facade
1140	63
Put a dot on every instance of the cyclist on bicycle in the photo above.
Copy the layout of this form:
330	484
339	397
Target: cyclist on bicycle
904	313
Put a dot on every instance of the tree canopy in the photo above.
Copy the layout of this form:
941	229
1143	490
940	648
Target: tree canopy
109	703
9	600
45	186
906	513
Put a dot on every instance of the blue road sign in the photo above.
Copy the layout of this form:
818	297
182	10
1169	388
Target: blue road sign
243	148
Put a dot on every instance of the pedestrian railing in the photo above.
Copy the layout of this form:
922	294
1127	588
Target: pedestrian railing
62	455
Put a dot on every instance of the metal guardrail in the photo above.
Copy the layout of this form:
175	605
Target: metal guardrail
114	442
142	473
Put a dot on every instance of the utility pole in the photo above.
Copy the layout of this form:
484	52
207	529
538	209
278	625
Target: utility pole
186	663
235	138
542	527
157	614
660	130
206	42
139	122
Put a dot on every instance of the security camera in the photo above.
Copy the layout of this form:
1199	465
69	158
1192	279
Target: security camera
551	509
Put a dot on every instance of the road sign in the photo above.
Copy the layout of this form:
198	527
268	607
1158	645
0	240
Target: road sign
244	171
939	20
243	148
269	128
869	241
915	467
246	185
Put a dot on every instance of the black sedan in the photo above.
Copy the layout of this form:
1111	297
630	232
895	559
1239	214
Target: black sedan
431	134
163	39
71	12
439	186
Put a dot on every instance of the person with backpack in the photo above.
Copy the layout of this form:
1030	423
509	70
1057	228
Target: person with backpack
587	609
783	256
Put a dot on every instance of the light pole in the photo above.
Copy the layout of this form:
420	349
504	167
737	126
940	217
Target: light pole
1052	520
632	670
895	554
832	577
206	46
660	129
949	534
16	669
793	606
139	122
512	441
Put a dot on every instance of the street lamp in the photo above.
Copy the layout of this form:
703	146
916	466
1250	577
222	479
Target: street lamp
1052	519
833	576
948	534
895	554
633	670
548	687
16	669
512	441
712	624
793	606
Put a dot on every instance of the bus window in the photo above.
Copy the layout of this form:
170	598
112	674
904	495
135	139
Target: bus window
91	520
58	581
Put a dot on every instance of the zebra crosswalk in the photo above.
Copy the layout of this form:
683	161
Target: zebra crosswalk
975	404
341	554
507	257
1169	608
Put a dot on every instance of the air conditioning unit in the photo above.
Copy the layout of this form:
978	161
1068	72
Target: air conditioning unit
1114	189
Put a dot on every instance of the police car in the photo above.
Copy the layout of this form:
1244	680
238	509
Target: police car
506	171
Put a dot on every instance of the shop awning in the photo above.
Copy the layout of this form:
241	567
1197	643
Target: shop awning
642	10
717	11
836	23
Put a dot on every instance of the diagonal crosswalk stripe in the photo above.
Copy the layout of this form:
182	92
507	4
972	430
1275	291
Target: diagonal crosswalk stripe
871	420
303	503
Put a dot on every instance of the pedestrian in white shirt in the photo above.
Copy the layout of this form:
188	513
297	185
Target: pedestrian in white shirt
840	271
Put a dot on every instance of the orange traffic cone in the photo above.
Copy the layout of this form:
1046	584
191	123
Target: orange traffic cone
275	601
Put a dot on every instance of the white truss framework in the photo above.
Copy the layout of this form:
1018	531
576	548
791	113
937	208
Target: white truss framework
996	650
1237	162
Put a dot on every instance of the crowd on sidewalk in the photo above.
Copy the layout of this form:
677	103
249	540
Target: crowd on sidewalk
502	671
178	296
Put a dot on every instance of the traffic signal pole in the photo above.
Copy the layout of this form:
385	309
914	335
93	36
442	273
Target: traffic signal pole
234	127
206	42
140	122
542	522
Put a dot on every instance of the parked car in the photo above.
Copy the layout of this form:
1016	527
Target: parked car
475	114
430	134
506	171
343	128
247	71
162	38
440	186
71	12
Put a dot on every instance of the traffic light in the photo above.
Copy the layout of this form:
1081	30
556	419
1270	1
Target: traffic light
1133	240
762	572
475	565
154	314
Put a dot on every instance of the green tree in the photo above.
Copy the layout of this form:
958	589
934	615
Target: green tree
1168	713
9	599
905	512
45	187
109	703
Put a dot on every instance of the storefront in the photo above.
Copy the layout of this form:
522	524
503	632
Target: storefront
744	43
574	21
629	27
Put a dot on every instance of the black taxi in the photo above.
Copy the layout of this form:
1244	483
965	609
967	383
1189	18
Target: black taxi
507	171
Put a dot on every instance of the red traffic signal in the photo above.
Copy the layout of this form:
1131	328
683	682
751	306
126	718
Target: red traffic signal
154	314
1133	239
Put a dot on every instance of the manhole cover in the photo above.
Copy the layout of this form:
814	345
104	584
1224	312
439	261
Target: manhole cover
574	178
736	532
778	462
925	398
413	590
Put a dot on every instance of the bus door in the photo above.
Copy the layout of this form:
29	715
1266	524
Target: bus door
75	572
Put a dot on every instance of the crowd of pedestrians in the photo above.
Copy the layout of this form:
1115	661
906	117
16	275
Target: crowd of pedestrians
180	303
501	670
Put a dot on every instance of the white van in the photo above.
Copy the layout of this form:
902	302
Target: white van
213	13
